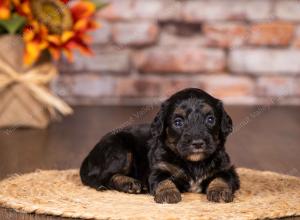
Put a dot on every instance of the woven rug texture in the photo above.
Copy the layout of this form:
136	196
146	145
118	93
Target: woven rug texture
61	193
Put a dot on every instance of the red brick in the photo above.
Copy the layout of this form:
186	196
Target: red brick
104	61
232	89
171	39
271	33
297	89
84	86
265	61
170	11
103	34
228	86
179	60
200	10
287	10
150	9
135	34
141	9
225	34
117	10
156	9
138	87
174	84
296	41
279	86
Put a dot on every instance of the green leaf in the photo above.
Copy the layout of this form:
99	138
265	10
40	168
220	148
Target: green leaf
2	30
13	24
99	4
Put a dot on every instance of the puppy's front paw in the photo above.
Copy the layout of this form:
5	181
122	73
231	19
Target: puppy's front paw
168	196
167	192
219	191
220	195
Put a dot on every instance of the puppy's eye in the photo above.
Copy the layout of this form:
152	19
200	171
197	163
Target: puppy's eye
178	122
210	120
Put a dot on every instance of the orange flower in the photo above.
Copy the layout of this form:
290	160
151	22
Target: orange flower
4	9
76	38
22	7
37	36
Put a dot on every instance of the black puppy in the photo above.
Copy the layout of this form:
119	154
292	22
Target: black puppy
181	151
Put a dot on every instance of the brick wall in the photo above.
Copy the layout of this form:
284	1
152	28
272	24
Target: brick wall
242	51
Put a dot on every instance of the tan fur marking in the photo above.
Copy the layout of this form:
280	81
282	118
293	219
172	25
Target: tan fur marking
180	111
165	185
195	185
218	183
125	184
175	171
206	108
195	157
128	163
118	179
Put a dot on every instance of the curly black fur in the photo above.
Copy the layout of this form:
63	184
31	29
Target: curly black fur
181	150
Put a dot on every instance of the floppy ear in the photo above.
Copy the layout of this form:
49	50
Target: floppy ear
158	124
226	122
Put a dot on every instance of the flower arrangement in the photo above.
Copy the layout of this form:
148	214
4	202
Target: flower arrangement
56	26
37	29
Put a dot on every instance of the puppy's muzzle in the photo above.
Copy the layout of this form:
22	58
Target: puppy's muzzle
198	146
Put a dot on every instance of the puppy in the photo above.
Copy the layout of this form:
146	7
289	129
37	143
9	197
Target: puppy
182	150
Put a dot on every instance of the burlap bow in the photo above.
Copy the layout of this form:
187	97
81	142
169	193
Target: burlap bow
36	80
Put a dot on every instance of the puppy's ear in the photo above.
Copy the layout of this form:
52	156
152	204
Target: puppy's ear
226	122
158	124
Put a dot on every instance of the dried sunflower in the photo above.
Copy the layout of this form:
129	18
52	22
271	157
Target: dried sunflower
52	13
37	36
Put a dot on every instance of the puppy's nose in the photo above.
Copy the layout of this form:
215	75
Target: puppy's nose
198	144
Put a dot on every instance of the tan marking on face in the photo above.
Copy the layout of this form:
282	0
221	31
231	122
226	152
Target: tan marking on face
180	112
218	183
175	171
196	157
206	108
165	185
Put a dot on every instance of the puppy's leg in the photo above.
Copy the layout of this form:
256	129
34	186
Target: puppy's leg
163	188
125	184
167	192
223	186
109	166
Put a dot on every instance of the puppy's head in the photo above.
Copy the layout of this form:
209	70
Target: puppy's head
192	124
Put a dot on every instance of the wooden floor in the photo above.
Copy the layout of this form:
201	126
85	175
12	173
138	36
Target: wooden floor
265	138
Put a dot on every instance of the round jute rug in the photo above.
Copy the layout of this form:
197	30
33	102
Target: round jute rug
60	193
